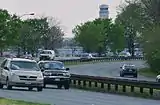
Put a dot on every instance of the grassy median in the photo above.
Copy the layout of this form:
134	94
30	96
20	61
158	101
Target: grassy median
136	93
4	101
147	72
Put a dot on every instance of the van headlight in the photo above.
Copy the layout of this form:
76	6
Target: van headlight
40	76
14	76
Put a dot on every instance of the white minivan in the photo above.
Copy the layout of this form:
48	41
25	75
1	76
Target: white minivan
20	72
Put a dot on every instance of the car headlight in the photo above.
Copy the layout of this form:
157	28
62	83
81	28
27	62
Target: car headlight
67	74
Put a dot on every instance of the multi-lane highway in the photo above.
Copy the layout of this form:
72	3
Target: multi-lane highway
80	97
109	69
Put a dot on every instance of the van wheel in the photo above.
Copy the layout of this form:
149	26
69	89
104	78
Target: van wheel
1	86
44	85
59	86
9	87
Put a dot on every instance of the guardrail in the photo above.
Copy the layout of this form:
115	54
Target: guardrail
102	59
107	83
97	59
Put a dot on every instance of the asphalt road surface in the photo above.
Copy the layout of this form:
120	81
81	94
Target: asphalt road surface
74	97
80	97
109	69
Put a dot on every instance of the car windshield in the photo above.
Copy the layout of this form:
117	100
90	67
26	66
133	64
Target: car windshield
129	66
45	52
53	66
24	65
84	56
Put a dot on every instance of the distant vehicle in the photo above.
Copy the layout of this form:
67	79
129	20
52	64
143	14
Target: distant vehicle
55	73
128	69
124	54
86	57
20	72
47	55
158	78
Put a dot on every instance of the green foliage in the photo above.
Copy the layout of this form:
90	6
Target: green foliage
95	35
9	27
29	34
116	37
144	17
32	32
152	48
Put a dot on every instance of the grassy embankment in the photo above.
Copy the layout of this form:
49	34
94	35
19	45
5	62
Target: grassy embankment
4	101
148	72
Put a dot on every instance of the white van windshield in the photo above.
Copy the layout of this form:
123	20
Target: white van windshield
45	52
24	65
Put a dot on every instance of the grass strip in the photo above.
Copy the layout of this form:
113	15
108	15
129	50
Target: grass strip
147	72
136	93
4	101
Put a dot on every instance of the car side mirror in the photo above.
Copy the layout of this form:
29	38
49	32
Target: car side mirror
67	69
6	68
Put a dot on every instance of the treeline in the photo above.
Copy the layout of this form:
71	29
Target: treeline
138	21
99	36
29	35
143	18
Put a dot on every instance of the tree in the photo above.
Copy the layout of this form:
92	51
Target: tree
9	29
40	33
146	21
90	36
152	47
96	35
55	34
32	32
116	37
130	17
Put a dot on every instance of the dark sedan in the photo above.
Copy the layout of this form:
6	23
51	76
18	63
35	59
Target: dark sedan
128	69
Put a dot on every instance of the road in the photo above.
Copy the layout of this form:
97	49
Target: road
80	97
74	97
109	69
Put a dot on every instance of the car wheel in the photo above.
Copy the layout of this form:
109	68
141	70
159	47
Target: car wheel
1	86
59	86
39	89
66	86
9	87
30	88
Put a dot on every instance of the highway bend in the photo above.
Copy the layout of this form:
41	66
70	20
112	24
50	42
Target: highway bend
55	96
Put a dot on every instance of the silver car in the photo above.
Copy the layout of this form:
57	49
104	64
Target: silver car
20	72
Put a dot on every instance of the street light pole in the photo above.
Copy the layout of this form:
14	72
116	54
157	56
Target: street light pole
26	14
18	55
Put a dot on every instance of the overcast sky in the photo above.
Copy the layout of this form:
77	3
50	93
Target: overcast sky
68	12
